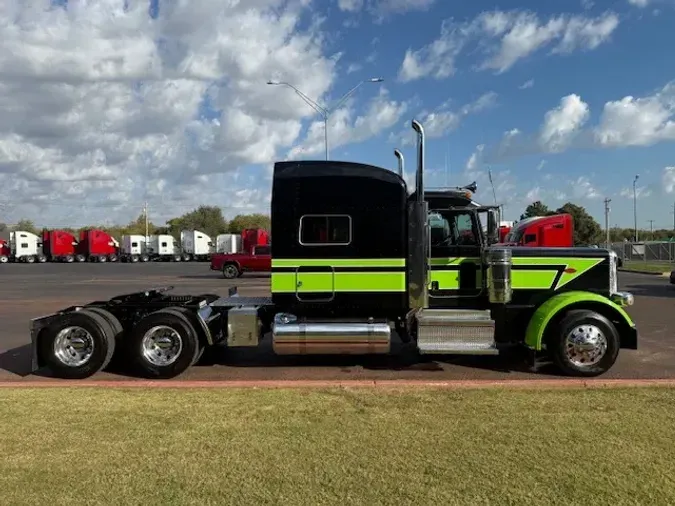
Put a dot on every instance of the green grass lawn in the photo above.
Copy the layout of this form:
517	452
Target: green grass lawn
310	447
648	266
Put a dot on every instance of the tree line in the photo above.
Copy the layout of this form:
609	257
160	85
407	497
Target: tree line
588	231
207	219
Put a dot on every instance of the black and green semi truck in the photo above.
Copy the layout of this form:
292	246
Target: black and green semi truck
359	262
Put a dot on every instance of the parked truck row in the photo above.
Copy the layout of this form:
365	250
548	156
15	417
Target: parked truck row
99	246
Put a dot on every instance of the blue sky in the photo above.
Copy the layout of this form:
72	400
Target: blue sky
634	61
105	105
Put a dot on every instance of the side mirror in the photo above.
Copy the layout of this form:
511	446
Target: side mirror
493	226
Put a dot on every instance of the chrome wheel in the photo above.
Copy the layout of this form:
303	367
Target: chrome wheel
585	345
162	345
73	346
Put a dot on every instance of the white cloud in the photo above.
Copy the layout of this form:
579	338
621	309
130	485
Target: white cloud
505	37
380	9
582	188
640	192
527	84
103	108
443	119
668	179
639	3
343	128
638	121
562	123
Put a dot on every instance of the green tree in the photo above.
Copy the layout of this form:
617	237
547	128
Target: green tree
26	226
207	219
537	208
587	231
242	221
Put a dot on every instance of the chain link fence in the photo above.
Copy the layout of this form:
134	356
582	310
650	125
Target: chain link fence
649	251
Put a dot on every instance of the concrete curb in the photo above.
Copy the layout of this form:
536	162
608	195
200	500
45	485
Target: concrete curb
651	273
276	384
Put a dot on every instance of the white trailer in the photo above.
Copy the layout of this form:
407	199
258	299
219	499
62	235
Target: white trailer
26	247
164	247
228	243
196	245
134	248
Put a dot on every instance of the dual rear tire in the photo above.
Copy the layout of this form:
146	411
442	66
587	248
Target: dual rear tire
163	344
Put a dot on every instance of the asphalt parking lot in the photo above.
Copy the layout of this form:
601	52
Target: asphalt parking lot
29	291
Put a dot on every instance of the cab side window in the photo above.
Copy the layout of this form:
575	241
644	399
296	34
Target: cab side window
325	230
451	230
465	231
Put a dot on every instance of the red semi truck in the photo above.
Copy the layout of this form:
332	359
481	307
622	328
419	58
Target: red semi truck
5	251
58	245
97	246
556	231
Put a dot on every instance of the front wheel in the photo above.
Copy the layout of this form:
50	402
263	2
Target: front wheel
584	343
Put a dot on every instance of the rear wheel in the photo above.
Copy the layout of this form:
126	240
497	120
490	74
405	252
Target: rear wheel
77	345
80	258
112	258
584	343
231	271
164	344
4	259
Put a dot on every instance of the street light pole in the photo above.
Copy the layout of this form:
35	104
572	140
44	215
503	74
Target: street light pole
635	206
323	111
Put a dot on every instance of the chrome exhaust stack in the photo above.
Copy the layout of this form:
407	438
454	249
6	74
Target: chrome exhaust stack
418	234
419	179
401	162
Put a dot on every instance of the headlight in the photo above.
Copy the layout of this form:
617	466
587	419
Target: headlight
613	275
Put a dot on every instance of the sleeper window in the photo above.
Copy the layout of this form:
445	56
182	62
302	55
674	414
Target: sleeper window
326	230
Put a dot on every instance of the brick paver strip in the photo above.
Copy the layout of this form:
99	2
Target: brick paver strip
544	383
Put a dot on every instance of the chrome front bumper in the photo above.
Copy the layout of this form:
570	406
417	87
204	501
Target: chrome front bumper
622	298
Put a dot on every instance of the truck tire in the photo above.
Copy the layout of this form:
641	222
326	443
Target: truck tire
163	344
177	258
187	257
30	259
4	259
112	258
80	257
70	259
584	343
231	271
42	259
102	258
59	343
145	258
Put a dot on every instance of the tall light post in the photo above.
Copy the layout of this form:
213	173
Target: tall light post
635	205
323	111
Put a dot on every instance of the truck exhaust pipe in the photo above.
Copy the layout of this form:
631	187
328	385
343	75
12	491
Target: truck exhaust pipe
418	234
419	180
401	162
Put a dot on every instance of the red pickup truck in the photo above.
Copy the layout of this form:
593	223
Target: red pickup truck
233	265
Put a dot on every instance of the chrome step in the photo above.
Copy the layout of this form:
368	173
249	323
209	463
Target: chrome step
456	331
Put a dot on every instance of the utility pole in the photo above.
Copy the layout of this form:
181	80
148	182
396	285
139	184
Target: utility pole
651	229
673	217
145	214
607	201
635	206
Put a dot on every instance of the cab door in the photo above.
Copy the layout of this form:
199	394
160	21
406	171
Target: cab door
455	257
